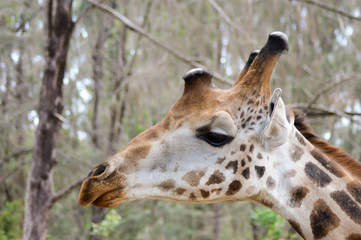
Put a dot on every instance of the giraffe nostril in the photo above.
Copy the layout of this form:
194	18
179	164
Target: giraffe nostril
98	171
90	173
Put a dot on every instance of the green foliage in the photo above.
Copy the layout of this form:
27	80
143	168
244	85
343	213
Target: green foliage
10	220
108	225
273	223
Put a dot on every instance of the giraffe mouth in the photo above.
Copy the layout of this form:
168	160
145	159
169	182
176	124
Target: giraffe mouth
104	200
110	199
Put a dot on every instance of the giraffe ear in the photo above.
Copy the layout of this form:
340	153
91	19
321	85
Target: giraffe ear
276	126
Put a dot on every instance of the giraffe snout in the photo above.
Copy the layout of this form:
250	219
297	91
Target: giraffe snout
104	187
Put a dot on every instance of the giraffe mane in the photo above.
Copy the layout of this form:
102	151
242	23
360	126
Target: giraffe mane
334	153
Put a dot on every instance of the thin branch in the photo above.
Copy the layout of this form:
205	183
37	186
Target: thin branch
139	37
228	20
16	155
137	43
134	27
325	90
322	111
329	8
5	176
86	13
224	15
63	193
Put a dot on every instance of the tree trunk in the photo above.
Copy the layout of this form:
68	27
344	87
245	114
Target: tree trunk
97	216
216	220
39	187
98	72
119	99
119	77
255	228
19	96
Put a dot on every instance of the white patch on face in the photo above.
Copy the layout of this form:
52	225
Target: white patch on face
181	150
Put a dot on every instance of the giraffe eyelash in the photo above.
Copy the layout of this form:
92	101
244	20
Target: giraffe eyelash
216	139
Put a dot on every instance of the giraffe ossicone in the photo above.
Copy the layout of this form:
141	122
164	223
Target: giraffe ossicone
237	144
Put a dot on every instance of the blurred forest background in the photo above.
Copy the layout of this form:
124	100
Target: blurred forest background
123	74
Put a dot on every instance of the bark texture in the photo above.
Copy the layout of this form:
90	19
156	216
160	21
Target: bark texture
98	72
39	189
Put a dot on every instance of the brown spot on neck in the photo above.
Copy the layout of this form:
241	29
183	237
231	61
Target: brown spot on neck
297	196
349	206
296	153
354	188
326	163
316	175
323	219
332	152
290	174
300	139
271	183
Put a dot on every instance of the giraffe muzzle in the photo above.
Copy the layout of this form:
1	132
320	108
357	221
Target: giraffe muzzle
104	187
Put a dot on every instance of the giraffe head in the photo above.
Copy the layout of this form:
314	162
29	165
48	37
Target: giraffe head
207	147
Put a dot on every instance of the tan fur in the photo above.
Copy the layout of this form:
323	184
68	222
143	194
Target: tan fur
334	153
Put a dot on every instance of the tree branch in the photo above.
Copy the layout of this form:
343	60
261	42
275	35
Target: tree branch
327	88
85	13
223	14
16	155
63	193
139	37
134	27
137	43
329	8
8	174
322	111
228	20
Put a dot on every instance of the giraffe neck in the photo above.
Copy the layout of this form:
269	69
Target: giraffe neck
318	197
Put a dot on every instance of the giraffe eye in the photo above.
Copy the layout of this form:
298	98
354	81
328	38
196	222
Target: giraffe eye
216	139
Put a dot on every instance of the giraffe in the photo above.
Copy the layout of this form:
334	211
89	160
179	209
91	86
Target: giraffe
238	144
